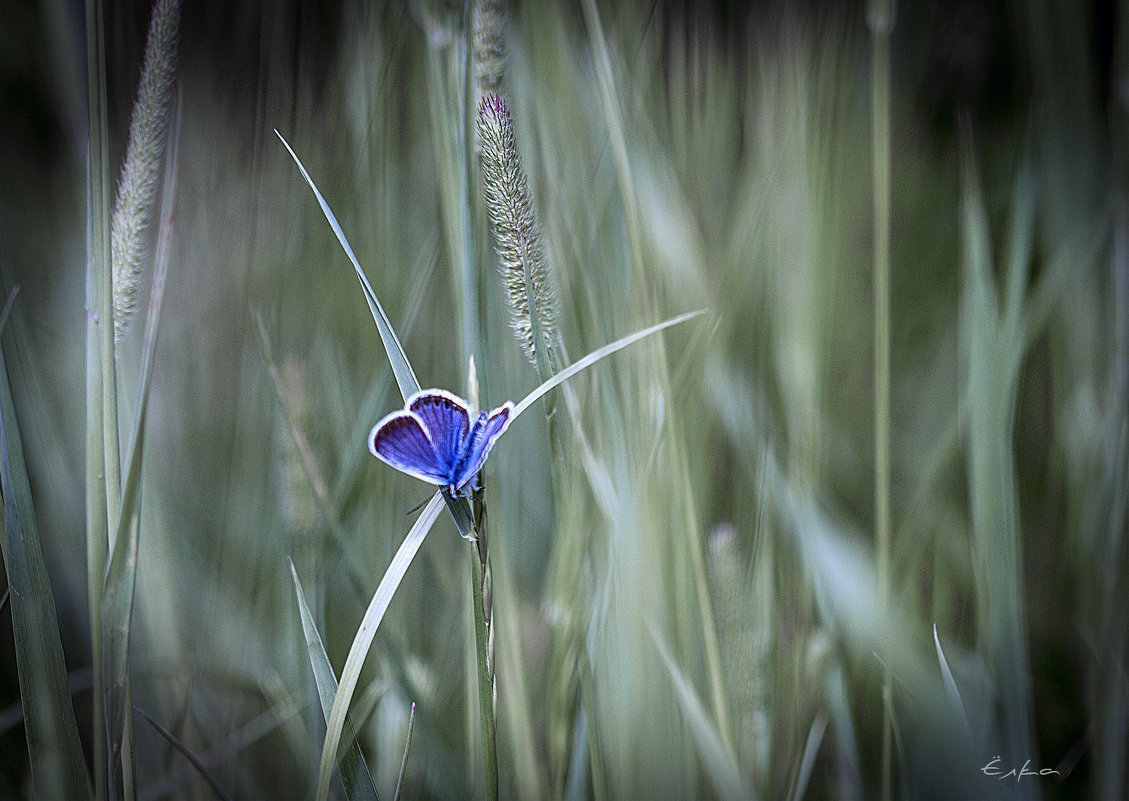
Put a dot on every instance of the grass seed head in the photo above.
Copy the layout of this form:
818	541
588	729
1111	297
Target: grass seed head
517	232
137	186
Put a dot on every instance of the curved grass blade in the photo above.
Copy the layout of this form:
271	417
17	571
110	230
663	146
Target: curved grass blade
405	376
373	406
951	685
187	754
401	367
721	766
8	305
407	748
354	773
233	746
309	464
807	761
351	673
57	768
594	357
121	571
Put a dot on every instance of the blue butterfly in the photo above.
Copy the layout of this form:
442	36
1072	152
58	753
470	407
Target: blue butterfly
434	439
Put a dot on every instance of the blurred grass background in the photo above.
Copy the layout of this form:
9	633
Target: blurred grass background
730	462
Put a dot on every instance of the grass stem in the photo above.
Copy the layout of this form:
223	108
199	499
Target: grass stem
482	637
880	20
97	328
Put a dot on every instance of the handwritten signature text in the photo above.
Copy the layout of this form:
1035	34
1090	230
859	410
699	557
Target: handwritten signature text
993	768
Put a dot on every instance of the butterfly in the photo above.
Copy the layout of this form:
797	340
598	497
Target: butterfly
435	439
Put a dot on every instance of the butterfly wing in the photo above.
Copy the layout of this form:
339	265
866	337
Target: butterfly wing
446	419
478	442
433	438
401	440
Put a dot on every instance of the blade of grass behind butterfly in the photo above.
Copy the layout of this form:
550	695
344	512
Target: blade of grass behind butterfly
595	356
354	772
57	768
401	367
351	673
448	83
405	376
121	571
617	137
718	760
313	474
372	408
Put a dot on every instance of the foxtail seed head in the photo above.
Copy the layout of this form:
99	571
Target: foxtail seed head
137	186
489	45
517	233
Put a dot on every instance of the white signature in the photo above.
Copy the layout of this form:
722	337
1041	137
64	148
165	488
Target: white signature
993	769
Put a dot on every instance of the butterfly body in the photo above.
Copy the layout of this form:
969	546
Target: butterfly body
435	439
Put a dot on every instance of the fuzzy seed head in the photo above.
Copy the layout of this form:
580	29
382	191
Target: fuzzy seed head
137	186
517	232
489	45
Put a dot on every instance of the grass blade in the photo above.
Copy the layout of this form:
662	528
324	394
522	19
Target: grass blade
807	761
57	768
8	306
351	673
121	572
401	367
99	346
405	376
354	772
595	356
234	745
187	754
407	748
951	685
373	406
880	21
993	352
720	765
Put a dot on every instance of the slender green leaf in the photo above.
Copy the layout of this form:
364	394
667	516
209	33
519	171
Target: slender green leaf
721	766
233	747
309	465
121	571
993	354
401	367
186	753
881	24
407	749
354	772
405	376
57	769
8	305
99	334
807	761
351	673
595	356
483	648
951	685
372	408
